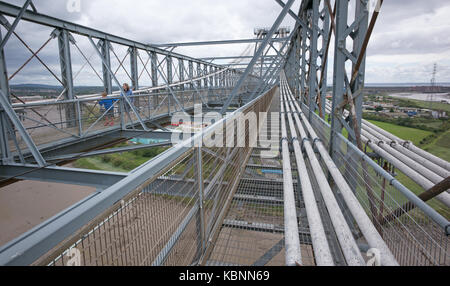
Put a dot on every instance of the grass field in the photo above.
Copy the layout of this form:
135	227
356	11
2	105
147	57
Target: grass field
423	104
434	106
439	147
405	133
121	162
96	163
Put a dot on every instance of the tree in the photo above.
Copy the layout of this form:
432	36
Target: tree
379	108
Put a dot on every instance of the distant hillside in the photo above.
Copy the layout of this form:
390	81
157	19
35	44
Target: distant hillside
44	86
40	86
23	90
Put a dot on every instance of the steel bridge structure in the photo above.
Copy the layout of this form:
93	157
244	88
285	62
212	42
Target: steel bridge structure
309	183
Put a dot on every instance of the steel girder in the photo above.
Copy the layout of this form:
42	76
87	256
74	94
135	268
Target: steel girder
233	58
105	46
258	54
341	84
154	67
205	80
9	112
323	54
308	78
89	178
222	42
191	73
5	124
313	16
306	75
134	67
14	25
64	41
169	63
181	72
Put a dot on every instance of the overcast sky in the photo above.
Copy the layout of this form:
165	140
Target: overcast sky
407	41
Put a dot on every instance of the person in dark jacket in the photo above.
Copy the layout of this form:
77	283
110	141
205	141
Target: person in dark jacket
108	106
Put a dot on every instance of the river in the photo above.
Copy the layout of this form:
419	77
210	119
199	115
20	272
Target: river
437	97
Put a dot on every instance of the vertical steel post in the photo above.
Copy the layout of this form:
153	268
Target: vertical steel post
169	81
211	78
326	34
154	63
362	16
191	74
154	69
226	78
5	124
298	44
222	79
169	69
181	72
303	66
199	74
312	90
72	111
105	47
338	76
200	215
362	20
134	74
216	77
205	72
134	68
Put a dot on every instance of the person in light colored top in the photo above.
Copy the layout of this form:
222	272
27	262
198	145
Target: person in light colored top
128	93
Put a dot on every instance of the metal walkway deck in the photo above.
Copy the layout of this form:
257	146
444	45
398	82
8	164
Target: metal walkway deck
265	181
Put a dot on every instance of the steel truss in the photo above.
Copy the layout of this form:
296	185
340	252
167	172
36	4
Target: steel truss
214	77
207	195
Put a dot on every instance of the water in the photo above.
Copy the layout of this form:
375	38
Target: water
444	84
147	141
437	97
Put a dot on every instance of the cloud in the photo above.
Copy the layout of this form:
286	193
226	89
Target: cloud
407	39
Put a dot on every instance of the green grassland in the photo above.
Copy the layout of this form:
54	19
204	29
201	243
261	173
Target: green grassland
434	105
121	162
437	143
405	133
439	146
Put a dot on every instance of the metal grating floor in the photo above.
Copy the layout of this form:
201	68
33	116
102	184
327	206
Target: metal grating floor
253	231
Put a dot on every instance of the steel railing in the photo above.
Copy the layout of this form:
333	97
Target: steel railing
174	216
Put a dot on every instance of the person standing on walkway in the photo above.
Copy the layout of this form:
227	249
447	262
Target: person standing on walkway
128	94
108	106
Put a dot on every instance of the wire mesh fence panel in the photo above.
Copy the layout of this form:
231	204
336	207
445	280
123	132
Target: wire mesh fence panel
170	219
413	237
138	229
48	122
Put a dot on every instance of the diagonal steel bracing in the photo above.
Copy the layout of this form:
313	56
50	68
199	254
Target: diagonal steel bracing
258	54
